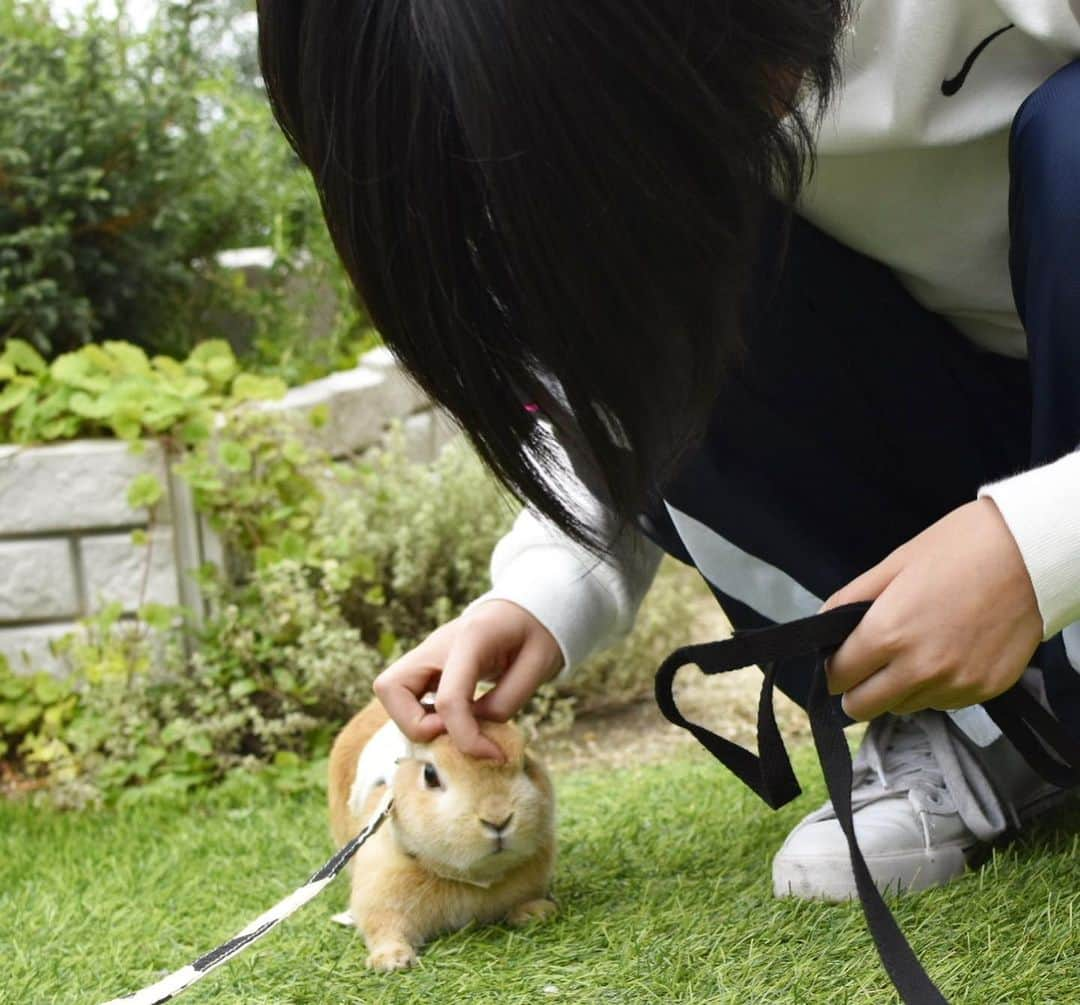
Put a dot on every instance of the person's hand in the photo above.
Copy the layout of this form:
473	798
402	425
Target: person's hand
954	620
495	641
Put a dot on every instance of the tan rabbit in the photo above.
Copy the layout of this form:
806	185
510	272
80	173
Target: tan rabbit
467	840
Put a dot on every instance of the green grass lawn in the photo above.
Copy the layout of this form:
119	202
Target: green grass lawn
663	885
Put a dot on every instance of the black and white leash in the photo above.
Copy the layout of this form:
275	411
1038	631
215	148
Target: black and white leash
178	982
1033	730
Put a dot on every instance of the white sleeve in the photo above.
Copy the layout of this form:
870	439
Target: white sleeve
1055	22
586	603
1042	510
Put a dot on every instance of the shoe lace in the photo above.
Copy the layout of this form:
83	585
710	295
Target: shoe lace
915	754
896	756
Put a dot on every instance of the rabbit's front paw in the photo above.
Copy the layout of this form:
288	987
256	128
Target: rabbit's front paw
392	956
530	911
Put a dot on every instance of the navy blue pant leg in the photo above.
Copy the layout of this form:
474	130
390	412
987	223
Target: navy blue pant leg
855	419
1044	214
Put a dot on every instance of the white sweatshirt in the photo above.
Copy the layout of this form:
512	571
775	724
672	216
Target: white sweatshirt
918	181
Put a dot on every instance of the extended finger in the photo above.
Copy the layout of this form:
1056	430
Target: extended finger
454	700
516	686
400	688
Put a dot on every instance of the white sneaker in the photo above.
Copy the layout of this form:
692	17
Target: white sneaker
923	805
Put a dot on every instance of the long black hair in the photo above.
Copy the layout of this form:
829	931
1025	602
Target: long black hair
555	201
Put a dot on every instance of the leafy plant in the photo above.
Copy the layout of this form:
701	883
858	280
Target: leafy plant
34	707
116	390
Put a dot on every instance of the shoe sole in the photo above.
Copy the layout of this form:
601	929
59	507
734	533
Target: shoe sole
907	873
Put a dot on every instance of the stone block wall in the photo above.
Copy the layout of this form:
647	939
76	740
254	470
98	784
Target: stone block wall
66	544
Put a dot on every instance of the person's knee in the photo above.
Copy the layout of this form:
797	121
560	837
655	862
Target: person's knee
1045	143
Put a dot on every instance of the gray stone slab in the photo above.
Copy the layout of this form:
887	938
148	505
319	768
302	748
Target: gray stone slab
115	569
27	649
37	580
359	403
73	486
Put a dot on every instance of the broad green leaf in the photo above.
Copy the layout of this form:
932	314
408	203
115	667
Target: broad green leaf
235	456
54	404
284	679
25	716
189	387
47	689
63	428
387	644
195	430
23	356
158	616
99	358
266	557
242	688
145	491
292	546
126	426
131	358
221	370
146	760
163	414
12	396
174	731
171	368
212	349
88	407
364	566
248	387
56	715
294	452
199	743
70	368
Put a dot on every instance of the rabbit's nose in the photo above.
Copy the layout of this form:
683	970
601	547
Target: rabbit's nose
498	828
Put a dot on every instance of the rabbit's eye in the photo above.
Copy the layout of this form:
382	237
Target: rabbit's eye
431	777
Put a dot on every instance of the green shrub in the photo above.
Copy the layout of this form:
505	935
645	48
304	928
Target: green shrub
347	567
116	390
34	707
127	162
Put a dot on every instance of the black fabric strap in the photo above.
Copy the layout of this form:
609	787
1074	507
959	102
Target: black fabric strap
770	774
897	956
1037	735
1033	730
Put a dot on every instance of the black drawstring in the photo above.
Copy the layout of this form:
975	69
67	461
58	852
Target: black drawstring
1034	731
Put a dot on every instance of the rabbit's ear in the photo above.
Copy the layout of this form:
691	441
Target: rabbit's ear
531	764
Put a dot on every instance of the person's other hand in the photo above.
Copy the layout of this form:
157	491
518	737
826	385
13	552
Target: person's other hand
954	620
497	641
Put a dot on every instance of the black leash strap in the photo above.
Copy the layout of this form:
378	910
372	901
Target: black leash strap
1034	731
